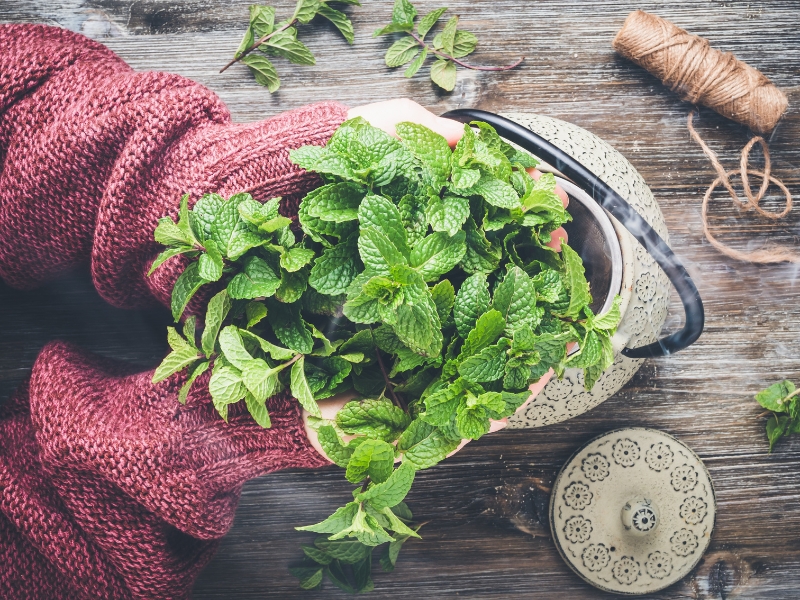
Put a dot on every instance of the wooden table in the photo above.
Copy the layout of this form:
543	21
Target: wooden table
488	535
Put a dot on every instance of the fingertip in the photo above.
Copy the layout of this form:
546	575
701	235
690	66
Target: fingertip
498	425
556	238
451	130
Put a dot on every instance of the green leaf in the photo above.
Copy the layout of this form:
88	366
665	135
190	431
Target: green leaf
217	310
390	554
185	288
264	71
592	373
430	149
430	450
338	521
416	64
373	418
225	387
382	215
339	20
257	280
402	51
446	38
377	251
295	259
258	410
575	280
412	212
485	333
260	380
443	295
395	524
777	427
515	300
346	551
774	397
428	21
373	458
262	20
333	447
392	491
487	365
300	389
169	234
335	270
471	302
247	41
609	320
437	254
337	202
365	528
403	13
418	325
255	313
204	213
194	373
210	263
317	555
464	43
472	423
305	10
167	254
481	256
495	191
310	577
275	352
448	214
443	74
232	347
286	45
175	361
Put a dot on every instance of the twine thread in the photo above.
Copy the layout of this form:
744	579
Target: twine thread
700	74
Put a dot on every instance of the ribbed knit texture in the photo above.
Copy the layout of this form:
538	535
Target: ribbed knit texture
108	487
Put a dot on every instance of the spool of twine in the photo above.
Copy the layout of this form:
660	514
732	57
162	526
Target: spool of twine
703	75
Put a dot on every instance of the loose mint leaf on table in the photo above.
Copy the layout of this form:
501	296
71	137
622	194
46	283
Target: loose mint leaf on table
774	398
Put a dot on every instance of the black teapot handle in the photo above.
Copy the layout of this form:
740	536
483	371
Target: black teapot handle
624	213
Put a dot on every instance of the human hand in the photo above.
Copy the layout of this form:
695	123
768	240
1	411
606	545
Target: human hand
386	115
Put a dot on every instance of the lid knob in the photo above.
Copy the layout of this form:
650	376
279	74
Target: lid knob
639	516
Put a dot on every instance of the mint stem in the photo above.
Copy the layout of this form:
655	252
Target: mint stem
257	44
389	384
462	63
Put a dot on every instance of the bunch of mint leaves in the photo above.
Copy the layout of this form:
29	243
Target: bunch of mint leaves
416	276
448	46
280	39
783	400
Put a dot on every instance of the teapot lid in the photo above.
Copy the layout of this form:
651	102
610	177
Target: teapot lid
632	511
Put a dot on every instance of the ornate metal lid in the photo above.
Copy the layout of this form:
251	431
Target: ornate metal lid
632	511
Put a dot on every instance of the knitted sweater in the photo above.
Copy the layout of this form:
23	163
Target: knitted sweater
108	487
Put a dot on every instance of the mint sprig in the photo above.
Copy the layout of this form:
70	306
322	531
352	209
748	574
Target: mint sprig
782	400
280	39
448	47
418	277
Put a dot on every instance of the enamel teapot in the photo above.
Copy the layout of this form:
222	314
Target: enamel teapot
619	231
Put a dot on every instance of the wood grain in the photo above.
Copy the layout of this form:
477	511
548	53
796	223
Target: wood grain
488	535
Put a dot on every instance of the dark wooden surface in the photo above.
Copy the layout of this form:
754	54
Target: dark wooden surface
488	535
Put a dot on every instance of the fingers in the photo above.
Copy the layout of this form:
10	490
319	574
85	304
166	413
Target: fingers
536	173
386	115
556	237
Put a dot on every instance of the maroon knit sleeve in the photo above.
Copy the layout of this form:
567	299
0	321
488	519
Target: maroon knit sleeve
108	487
93	153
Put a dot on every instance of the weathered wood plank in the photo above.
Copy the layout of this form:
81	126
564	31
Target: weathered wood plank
488	505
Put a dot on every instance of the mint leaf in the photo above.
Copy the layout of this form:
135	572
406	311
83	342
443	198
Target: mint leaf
464	43
392	491
487	365
774	397
428	21
258	410
337	202
429	451
377	251
496	192
333	447
443	295
257	280
402	51
295	259
217	310
378	419
430	149
575	281
339	20
378	213
366	529
210	263
480	255
300	389
335	270
515	300
447	37
471	302
167	254
275	352
285	44
609	320
260	380
175	361
486	332
290	328
195	372
416	64
185	288
232	347
443	74
262	21
373	458
255	313
777	427
338	521
263	71
437	254
448	214
306	10
225	387
204	213
346	551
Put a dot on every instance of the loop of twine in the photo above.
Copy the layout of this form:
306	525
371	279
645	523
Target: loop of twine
764	255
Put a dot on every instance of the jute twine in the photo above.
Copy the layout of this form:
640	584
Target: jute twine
702	75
